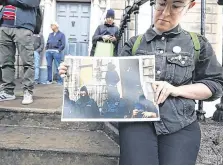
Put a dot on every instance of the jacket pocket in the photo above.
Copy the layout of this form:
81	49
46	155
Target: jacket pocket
185	107
179	68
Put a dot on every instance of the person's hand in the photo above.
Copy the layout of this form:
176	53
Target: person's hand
149	115
162	90
63	69
112	38
135	112
106	37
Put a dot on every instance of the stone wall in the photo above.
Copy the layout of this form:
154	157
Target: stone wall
213	23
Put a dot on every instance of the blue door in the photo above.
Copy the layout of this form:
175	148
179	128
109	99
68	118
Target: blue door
74	22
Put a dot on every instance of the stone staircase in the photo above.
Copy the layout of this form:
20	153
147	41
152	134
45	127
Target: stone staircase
41	138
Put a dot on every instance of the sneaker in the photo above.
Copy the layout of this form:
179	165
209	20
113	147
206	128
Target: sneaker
27	98
5	97
49	82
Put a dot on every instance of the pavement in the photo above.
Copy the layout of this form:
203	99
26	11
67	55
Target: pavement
47	99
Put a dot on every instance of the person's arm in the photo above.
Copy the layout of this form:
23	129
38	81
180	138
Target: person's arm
97	36
117	79
41	44
208	76
96	113
47	43
115	42
62	43
23	3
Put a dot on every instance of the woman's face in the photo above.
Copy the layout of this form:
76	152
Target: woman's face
168	13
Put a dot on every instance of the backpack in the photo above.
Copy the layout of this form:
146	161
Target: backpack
193	37
39	20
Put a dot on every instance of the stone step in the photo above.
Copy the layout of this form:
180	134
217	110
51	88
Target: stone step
30	145
43	120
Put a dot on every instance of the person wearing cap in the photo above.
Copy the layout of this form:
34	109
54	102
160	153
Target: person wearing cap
86	107
17	25
54	47
107	31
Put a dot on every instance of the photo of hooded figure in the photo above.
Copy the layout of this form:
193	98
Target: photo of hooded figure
86	107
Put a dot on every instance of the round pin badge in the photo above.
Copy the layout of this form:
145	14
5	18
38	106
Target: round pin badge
176	49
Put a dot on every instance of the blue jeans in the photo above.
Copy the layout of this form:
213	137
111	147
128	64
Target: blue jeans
36	65
50	56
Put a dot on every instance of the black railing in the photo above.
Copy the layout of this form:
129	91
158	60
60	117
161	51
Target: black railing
218	114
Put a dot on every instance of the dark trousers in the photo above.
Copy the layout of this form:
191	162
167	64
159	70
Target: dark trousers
139	145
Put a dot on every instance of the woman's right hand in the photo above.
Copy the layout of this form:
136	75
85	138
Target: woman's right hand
62	69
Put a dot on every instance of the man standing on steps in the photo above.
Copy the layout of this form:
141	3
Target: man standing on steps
54	47
17	24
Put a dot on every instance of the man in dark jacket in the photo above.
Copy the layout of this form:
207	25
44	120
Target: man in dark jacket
106	31
54	47
17	24
85	107
38	48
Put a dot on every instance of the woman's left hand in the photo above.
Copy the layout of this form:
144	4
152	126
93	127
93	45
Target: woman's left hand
162	90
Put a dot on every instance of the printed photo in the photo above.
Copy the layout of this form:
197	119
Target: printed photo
109	89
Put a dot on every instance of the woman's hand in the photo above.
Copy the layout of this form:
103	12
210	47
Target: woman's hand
112	38
162	90
149	115
62	69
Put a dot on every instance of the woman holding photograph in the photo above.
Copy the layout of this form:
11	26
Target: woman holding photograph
180	80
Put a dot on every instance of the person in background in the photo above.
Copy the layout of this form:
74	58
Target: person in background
38	42
107	31
54	47
112	79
